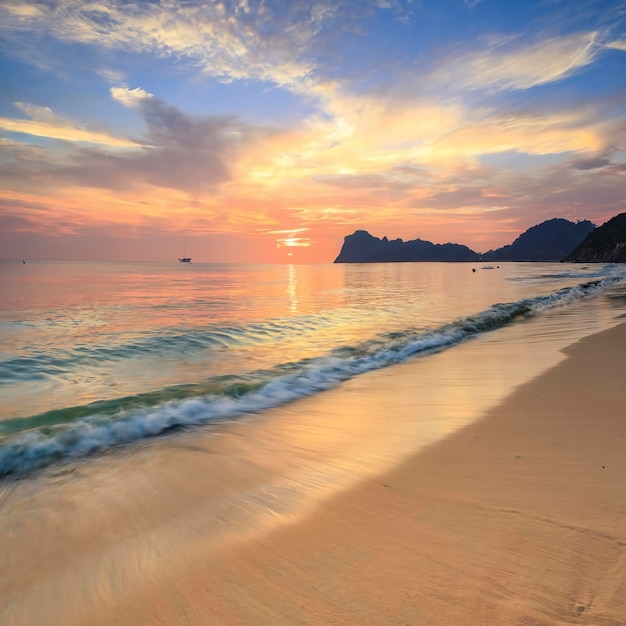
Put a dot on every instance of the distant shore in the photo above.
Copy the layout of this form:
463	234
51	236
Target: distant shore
515	519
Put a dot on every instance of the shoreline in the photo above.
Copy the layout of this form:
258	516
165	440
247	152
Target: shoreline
517	518
512	518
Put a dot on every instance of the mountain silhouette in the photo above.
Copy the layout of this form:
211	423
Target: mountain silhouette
549	241
361	247
606	244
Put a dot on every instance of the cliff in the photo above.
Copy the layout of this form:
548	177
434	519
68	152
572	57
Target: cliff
606	244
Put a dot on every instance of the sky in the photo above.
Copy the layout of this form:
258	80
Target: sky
267	131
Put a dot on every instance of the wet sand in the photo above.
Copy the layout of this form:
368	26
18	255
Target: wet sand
518	518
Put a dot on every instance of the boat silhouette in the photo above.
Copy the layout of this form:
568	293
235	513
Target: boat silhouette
185	258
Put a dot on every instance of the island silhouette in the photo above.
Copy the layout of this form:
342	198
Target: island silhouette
552	240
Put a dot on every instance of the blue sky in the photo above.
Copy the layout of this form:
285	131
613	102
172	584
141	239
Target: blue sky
266	131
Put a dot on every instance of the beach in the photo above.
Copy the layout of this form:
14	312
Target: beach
516	518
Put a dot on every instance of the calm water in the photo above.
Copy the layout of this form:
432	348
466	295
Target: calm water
94	355
154	414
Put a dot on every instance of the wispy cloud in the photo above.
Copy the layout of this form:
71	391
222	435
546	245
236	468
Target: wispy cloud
44	123
517	64
112	76
617	45
231	40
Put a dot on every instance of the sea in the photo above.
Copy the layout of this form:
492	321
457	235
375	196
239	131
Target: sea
99	356
154	414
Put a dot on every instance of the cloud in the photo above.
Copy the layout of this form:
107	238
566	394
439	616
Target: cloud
178	151
519	66
385	143
111	75
592	163
131	98
290	231
617	45
44	123
192	154
403	176
293	242
23	167
231	40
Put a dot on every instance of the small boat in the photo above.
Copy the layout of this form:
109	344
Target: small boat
185	259
488	267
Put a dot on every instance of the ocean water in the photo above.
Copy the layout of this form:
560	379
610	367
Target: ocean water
96	357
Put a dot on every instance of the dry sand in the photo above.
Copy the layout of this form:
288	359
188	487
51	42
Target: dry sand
519	518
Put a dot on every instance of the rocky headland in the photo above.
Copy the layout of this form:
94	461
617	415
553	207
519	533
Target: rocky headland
606	244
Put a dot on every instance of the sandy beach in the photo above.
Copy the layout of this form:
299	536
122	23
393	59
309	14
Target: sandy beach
518	518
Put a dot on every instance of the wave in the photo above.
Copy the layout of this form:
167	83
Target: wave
37	366
38	441
55	362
